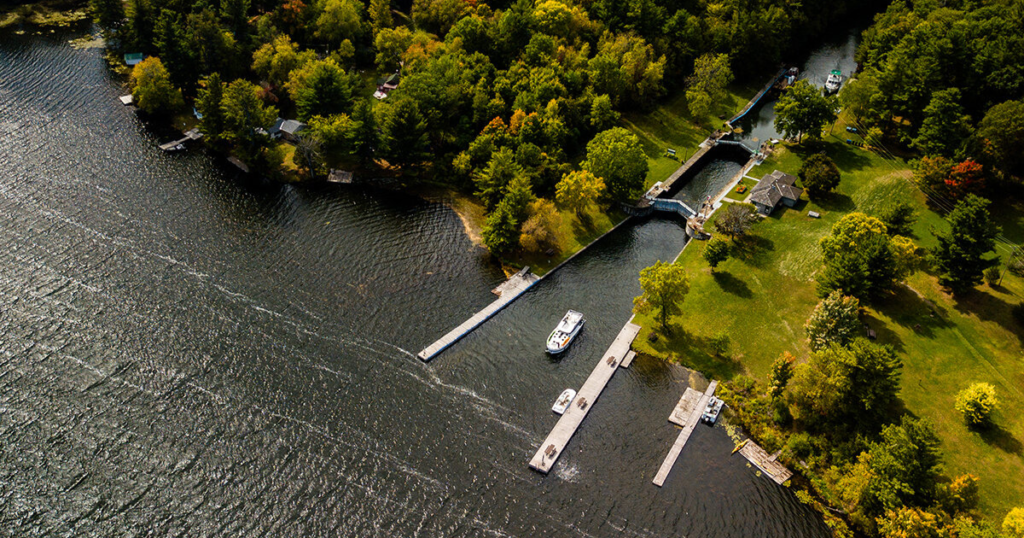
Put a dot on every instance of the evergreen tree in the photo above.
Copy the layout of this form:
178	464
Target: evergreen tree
209	104
899	218
945	125
108	13
780	374
320	88
961	252
244	114
366	136
170	40
140	25
403	132
492	181
501	231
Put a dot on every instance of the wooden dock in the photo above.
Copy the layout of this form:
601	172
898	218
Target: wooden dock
192	134
553	446
507	292
690	406
765	462
757	98
628	359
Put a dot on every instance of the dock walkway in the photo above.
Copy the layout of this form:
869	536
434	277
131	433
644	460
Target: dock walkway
553	446
690	406
507	292
192	134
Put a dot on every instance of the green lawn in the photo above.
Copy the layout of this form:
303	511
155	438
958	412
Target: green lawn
763	295
670	125
574	235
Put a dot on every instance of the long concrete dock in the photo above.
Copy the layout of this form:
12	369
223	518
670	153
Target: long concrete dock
757	98
690	406
507	292
553	446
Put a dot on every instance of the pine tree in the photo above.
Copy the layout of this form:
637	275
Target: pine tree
962	249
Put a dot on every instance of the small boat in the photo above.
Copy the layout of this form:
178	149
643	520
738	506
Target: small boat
834	80
566	330
712	410
563	401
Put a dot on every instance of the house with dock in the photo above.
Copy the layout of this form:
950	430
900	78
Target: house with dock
773	190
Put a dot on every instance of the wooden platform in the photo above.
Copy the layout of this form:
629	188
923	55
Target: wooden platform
767	463
192	134
339	176
628	359
126	99
507	292
695	407
681	414
553	446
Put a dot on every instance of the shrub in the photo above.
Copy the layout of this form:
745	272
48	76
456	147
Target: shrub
992	275
961	494
1013	525
719	343
976	403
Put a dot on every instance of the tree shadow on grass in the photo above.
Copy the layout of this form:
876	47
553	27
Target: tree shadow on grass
909	309
883	334
988	308
835	201
729	283
691	351
751	249
846	157
997	436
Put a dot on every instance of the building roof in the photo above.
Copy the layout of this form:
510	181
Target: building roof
292	126
775	187
133	58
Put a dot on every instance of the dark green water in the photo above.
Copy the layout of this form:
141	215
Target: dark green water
186	351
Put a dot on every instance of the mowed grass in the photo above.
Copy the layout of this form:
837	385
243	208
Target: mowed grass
574	234
670	125
762	296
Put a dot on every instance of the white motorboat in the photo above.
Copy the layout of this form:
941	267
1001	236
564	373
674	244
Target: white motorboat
563	401
712	411
566	330
834	80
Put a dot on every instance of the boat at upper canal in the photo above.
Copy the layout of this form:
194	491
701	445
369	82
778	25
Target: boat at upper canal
190	350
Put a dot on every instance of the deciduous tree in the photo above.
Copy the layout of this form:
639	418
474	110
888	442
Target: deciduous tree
960	255
780	374
803	109
819	174
340	20
540	231
152	90
244	115
602	116
275	61
835	321
858	257
736	219
320	88
1001	136
976	403
711	74
617	157
579	189
664	286
716	252
1013	523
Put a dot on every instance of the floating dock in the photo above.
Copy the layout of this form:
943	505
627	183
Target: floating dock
553	446
192	134
767	463
507	292
686	414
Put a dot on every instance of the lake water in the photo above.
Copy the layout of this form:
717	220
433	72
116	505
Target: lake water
190	351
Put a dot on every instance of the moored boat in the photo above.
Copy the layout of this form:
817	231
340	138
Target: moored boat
712	411
566	330
563	401
834	80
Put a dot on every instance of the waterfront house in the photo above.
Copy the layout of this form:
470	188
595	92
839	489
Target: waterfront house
286	129
775	189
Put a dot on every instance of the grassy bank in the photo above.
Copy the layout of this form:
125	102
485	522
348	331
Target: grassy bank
670	125
763	295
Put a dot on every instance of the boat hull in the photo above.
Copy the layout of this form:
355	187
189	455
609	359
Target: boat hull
555	349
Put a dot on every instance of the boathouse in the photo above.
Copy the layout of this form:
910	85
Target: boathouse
775	189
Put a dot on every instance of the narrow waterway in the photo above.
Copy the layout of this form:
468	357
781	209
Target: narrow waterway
759	125
190	351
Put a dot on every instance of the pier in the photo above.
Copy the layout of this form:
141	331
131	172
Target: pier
553	446
757	98
507	292
192	134
686	414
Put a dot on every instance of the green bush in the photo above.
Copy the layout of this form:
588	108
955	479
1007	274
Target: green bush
976	403
992	275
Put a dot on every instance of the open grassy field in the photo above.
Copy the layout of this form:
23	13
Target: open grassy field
670	125
763	295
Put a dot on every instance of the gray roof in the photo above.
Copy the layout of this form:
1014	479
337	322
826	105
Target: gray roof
775	187
282	125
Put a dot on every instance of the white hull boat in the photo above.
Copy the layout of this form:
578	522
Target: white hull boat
834	80
566	330
712	411
563	401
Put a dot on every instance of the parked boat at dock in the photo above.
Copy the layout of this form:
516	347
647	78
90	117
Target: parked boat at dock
712	411
566	330
834	80
563	401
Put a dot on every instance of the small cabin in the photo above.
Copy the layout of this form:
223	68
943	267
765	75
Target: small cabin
385	85
286	129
